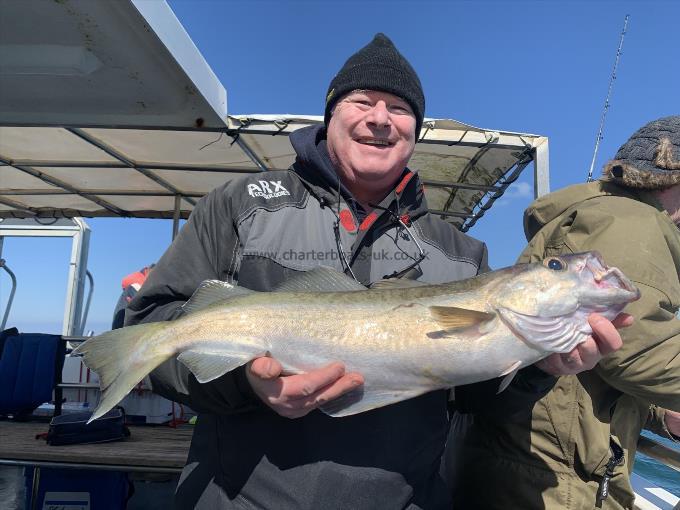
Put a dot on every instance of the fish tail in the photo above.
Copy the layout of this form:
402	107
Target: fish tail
121	361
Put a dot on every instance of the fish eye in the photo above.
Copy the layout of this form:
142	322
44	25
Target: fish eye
555	264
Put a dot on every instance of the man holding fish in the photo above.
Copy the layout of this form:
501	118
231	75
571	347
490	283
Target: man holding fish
359	417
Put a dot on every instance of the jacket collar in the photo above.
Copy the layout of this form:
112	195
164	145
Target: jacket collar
548	207
313	164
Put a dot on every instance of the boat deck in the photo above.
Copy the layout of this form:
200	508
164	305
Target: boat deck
149	449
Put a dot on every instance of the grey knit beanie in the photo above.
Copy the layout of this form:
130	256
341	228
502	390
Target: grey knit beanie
650	159
378	66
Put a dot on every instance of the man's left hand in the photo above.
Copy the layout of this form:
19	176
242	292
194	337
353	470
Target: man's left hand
604	340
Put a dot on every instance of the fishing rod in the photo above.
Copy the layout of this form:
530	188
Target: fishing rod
606	101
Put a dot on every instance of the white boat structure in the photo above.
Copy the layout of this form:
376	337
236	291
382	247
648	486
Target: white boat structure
107	109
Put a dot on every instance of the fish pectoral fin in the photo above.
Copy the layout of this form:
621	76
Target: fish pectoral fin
509	374
452	318
212	291
208	365
361	400
319	279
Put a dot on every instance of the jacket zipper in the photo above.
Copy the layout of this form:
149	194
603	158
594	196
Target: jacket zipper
616	459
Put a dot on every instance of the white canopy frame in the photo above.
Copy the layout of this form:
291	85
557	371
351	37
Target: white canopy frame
106	171
79	232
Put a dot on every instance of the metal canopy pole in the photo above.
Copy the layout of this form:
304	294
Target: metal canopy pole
176	216
520	166
154	166
249	152
542	169
10	300
56	182
125	193
129	164
451	214
470	165
17	206
459	185
76	279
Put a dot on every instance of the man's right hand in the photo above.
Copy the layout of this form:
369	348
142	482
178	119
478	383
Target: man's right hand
293	396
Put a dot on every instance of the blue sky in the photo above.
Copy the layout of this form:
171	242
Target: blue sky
531	66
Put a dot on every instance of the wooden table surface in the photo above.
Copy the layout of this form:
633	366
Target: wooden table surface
147	446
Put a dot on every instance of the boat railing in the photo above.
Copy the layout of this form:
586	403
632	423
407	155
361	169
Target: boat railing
8	306
659	452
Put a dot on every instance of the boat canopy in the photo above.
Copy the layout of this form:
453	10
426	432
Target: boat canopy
145	173
108	109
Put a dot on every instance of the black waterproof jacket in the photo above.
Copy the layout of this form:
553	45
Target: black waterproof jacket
257	231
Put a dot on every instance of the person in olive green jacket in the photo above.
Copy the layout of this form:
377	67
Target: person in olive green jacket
575	450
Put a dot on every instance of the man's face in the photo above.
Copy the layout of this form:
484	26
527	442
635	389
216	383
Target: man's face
371	136
670	201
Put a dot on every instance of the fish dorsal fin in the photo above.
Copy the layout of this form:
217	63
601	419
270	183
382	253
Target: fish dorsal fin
451	317
397	283
212	291
319	279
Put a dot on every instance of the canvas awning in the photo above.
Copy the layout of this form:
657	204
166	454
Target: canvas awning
76	171
108	109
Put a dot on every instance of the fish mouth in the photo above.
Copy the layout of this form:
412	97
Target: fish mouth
609	277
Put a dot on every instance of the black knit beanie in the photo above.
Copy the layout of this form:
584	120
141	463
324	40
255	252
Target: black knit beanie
650	159
378	66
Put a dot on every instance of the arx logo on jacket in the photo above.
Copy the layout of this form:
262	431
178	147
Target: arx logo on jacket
267	189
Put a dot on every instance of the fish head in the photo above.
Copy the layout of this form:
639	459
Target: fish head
563	284
599	288
548	304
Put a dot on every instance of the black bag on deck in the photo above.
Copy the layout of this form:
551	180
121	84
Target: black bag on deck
72	428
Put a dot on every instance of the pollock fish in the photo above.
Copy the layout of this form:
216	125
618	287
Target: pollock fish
404	340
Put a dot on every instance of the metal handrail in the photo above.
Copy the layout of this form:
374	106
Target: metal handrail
83	320
11	294
74	338
657	451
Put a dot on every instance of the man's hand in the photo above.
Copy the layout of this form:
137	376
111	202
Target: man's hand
604	340
294	396
672	419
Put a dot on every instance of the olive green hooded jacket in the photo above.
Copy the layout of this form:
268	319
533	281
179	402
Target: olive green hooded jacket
556	457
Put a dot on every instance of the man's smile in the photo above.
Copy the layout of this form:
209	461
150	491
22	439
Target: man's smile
376	142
